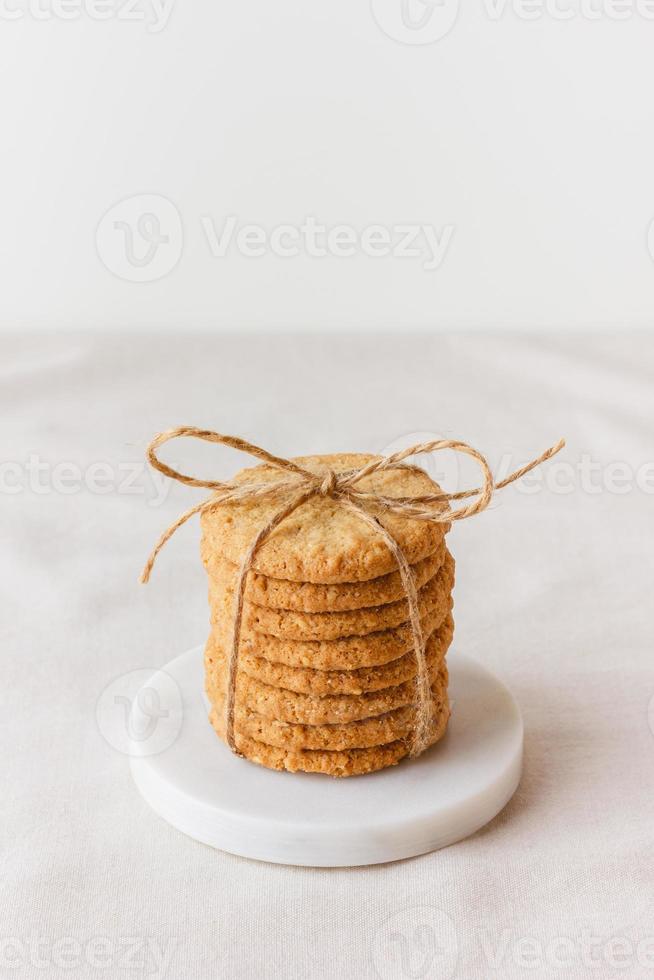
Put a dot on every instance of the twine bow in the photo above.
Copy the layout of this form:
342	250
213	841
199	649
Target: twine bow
298	485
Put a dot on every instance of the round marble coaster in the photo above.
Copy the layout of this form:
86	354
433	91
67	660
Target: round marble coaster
190	778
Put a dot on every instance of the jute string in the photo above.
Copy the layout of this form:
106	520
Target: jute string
298	485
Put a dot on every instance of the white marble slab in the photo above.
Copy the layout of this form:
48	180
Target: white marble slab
193	781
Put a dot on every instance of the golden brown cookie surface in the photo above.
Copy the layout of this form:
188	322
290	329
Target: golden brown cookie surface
352	762
379	730
350	653
323	541
307	680
279	704
312	598
291	625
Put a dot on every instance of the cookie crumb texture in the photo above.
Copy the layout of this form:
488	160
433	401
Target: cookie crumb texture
323	542
326	676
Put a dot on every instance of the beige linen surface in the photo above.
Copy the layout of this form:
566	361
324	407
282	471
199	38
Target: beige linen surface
554	593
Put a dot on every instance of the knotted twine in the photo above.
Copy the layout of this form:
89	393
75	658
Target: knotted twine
296	487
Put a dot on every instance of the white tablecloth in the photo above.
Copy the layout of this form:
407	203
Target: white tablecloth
554	593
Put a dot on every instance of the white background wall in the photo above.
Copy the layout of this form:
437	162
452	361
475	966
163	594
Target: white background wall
531	139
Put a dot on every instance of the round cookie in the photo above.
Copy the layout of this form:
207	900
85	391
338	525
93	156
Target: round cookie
353	762
306	680
363	734
292	625
311	598
324	541
350	653
304	709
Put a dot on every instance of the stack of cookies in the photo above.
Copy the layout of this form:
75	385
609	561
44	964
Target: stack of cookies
326	669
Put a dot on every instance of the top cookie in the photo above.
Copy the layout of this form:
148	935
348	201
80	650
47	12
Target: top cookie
323	541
